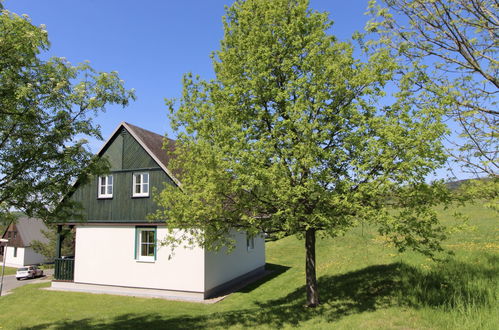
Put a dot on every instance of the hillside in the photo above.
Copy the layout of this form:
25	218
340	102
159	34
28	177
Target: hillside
364	284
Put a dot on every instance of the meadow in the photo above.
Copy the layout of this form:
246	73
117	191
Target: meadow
8	270
363	284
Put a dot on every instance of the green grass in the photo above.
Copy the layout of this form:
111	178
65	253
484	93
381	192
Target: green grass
8	270
363	284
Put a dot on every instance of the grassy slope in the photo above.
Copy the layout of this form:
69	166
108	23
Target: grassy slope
8	270
363	283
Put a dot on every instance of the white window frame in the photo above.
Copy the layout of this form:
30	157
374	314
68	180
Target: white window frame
139	243
106	186
250	242
140	184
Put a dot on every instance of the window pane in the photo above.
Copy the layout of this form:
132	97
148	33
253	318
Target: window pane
145	188
137	189
151	250
110	190
250	242
103	190
145	177
146	242
149	237
102	180
147	250
110	179
137	178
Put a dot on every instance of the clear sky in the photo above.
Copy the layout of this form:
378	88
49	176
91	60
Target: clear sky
151	44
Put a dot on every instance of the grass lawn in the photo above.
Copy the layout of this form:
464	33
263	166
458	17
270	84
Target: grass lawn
8	270
363	284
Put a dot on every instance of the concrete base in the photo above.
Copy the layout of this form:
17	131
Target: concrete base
211	296
126	291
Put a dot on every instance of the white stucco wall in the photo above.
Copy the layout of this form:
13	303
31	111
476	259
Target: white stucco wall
105	255
221	267
12	261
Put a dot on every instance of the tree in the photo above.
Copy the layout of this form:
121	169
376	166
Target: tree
46	110
48	249
452	44
289	138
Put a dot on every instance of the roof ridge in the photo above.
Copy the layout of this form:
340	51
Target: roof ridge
144	129
154	145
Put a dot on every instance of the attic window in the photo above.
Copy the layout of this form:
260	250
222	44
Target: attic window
105	186
140	185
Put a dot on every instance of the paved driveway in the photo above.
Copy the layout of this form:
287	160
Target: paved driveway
10	282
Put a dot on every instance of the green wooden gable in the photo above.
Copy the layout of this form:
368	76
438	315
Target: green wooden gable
129	150
125	153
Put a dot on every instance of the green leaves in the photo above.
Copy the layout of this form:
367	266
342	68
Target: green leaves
46	107
291	135
449	51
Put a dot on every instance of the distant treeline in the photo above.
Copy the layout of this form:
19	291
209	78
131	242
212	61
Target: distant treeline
454	185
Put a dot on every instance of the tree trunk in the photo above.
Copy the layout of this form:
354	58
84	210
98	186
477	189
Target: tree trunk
312	287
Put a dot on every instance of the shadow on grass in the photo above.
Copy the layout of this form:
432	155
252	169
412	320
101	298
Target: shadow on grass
445	286
271	272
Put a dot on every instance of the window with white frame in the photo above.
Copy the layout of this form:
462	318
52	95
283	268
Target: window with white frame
140	185
105	186
250	242
145	248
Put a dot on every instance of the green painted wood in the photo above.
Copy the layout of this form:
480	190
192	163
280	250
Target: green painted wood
114	152
134	156
126	156
64	269
123	207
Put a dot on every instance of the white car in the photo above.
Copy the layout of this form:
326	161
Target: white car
28	272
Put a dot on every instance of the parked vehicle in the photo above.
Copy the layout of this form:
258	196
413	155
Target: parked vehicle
28	272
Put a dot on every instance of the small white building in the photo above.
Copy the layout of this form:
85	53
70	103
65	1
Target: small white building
21	234
118	251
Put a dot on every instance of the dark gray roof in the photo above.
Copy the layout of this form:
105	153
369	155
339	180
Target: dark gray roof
30	230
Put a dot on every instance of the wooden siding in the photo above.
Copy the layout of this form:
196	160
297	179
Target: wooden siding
10	233
126	156
134	156
114	153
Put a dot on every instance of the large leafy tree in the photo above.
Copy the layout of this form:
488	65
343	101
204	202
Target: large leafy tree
289	138
453	47
46	111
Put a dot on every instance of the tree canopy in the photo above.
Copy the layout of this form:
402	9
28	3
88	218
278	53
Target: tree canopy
291	137
46	111
452	46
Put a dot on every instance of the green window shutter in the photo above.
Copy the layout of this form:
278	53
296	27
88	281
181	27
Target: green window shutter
136	243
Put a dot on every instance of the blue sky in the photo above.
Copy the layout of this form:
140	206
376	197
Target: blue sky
152	44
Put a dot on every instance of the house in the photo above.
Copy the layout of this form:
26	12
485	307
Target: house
21	234
118	250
